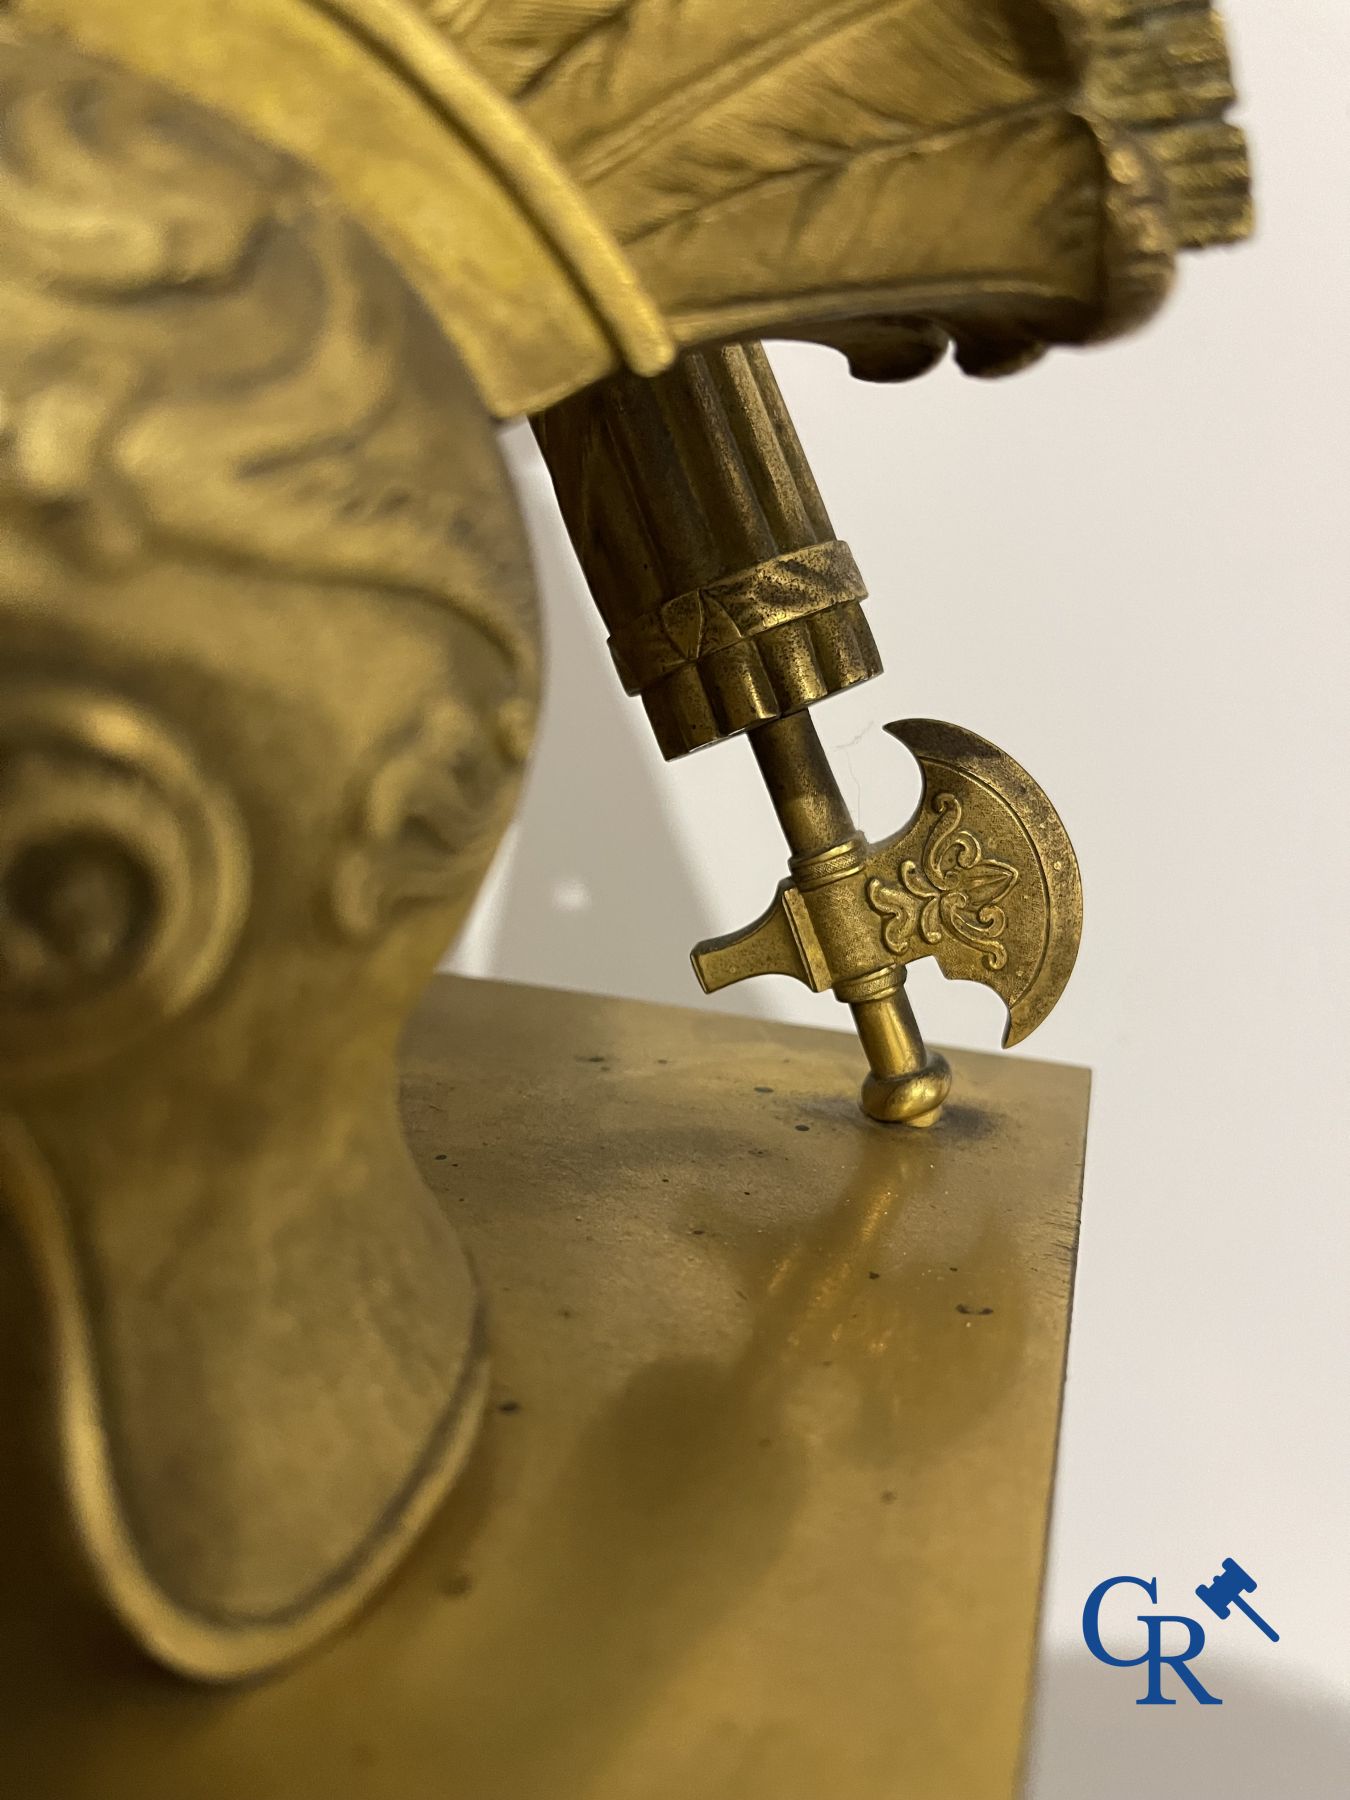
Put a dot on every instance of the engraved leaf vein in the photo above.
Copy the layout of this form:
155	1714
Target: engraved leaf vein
737	74
819	175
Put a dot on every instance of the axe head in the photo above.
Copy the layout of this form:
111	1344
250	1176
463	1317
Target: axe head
1231	1581
983	878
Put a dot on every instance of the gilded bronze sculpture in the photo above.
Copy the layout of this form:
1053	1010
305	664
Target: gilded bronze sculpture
217	452
272	270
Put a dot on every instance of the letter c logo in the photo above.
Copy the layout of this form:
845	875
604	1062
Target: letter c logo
1092	1619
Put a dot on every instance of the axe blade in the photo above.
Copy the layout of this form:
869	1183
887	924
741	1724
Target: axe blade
983	878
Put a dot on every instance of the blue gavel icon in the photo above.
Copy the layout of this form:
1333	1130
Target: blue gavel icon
1226	1591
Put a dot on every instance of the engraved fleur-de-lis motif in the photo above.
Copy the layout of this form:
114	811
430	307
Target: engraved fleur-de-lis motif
956	893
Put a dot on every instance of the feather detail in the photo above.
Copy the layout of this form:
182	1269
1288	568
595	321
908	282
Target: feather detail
884	174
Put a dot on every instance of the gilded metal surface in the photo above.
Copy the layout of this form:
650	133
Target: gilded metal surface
884	175
269	658
707	547
732	607
983	878
582	185
906	1083
520	271
268	674
759	1511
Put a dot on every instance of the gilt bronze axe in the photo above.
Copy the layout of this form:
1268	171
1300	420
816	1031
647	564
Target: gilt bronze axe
733	608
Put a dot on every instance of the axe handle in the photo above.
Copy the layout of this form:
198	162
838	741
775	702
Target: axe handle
814	817
811	810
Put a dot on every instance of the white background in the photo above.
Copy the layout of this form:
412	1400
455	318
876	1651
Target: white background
1129	568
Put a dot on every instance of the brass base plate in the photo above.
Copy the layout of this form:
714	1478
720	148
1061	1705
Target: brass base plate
760	1510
